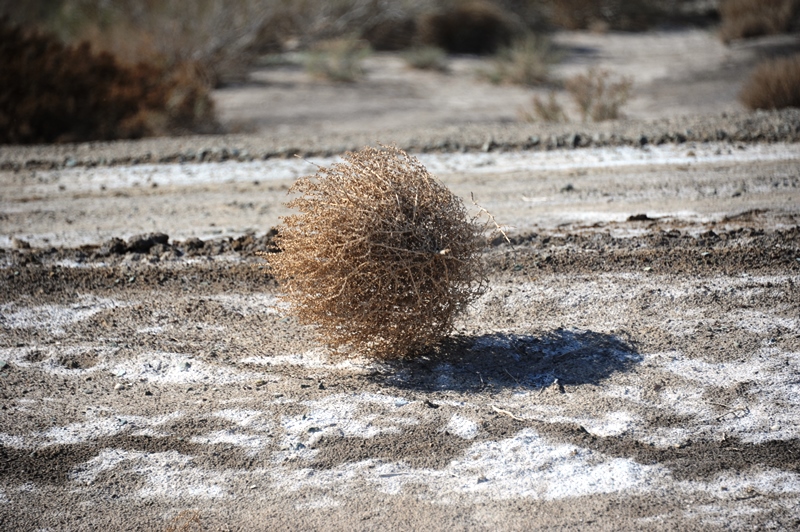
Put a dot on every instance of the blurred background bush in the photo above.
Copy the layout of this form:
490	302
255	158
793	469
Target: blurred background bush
99	69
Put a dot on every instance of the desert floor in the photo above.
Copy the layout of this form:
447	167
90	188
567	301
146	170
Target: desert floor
634	365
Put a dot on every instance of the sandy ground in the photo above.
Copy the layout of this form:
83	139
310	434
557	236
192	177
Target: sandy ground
675	72
634	364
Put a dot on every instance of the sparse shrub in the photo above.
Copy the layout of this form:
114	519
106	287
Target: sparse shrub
338	59
774	84
743	19
468	28
597	96
426	58
545	111
381	256
526	62
50	92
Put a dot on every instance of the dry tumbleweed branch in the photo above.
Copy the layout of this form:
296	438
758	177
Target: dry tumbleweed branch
381	256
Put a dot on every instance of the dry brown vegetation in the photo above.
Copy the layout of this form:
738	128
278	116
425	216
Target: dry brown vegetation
426	58
774	84
217	36
598	96
526	62
50	92
338	59
224	38
544	111
742	19
381	256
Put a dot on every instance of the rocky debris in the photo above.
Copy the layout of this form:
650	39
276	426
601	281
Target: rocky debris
153	247
115	246
543	250
135	244
143	243
193	243
760	126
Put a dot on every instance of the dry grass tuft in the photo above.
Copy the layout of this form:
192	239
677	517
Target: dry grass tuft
426	58
597	96
774	84
338	59
544	111
381	257
526	62
742	19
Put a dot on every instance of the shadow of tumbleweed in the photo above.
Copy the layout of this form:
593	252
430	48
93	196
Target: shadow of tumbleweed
500	361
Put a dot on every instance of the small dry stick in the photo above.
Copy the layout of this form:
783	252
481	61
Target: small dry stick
507	413
510	375
490	216
491	219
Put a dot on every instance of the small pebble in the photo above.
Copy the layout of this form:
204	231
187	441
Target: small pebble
183	366
119	386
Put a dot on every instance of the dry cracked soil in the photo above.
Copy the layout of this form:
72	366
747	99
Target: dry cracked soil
635	363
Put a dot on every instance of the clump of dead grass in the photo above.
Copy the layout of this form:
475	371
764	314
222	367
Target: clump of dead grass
544	111
381	257
742	19
527	61
426	58
774	84
599	96
338	59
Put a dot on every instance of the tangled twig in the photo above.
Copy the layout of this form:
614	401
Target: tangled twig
381	256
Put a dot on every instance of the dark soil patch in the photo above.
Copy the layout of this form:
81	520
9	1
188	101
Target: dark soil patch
419	447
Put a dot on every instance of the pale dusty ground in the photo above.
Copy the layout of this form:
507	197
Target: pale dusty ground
677	72
634	365
80	206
